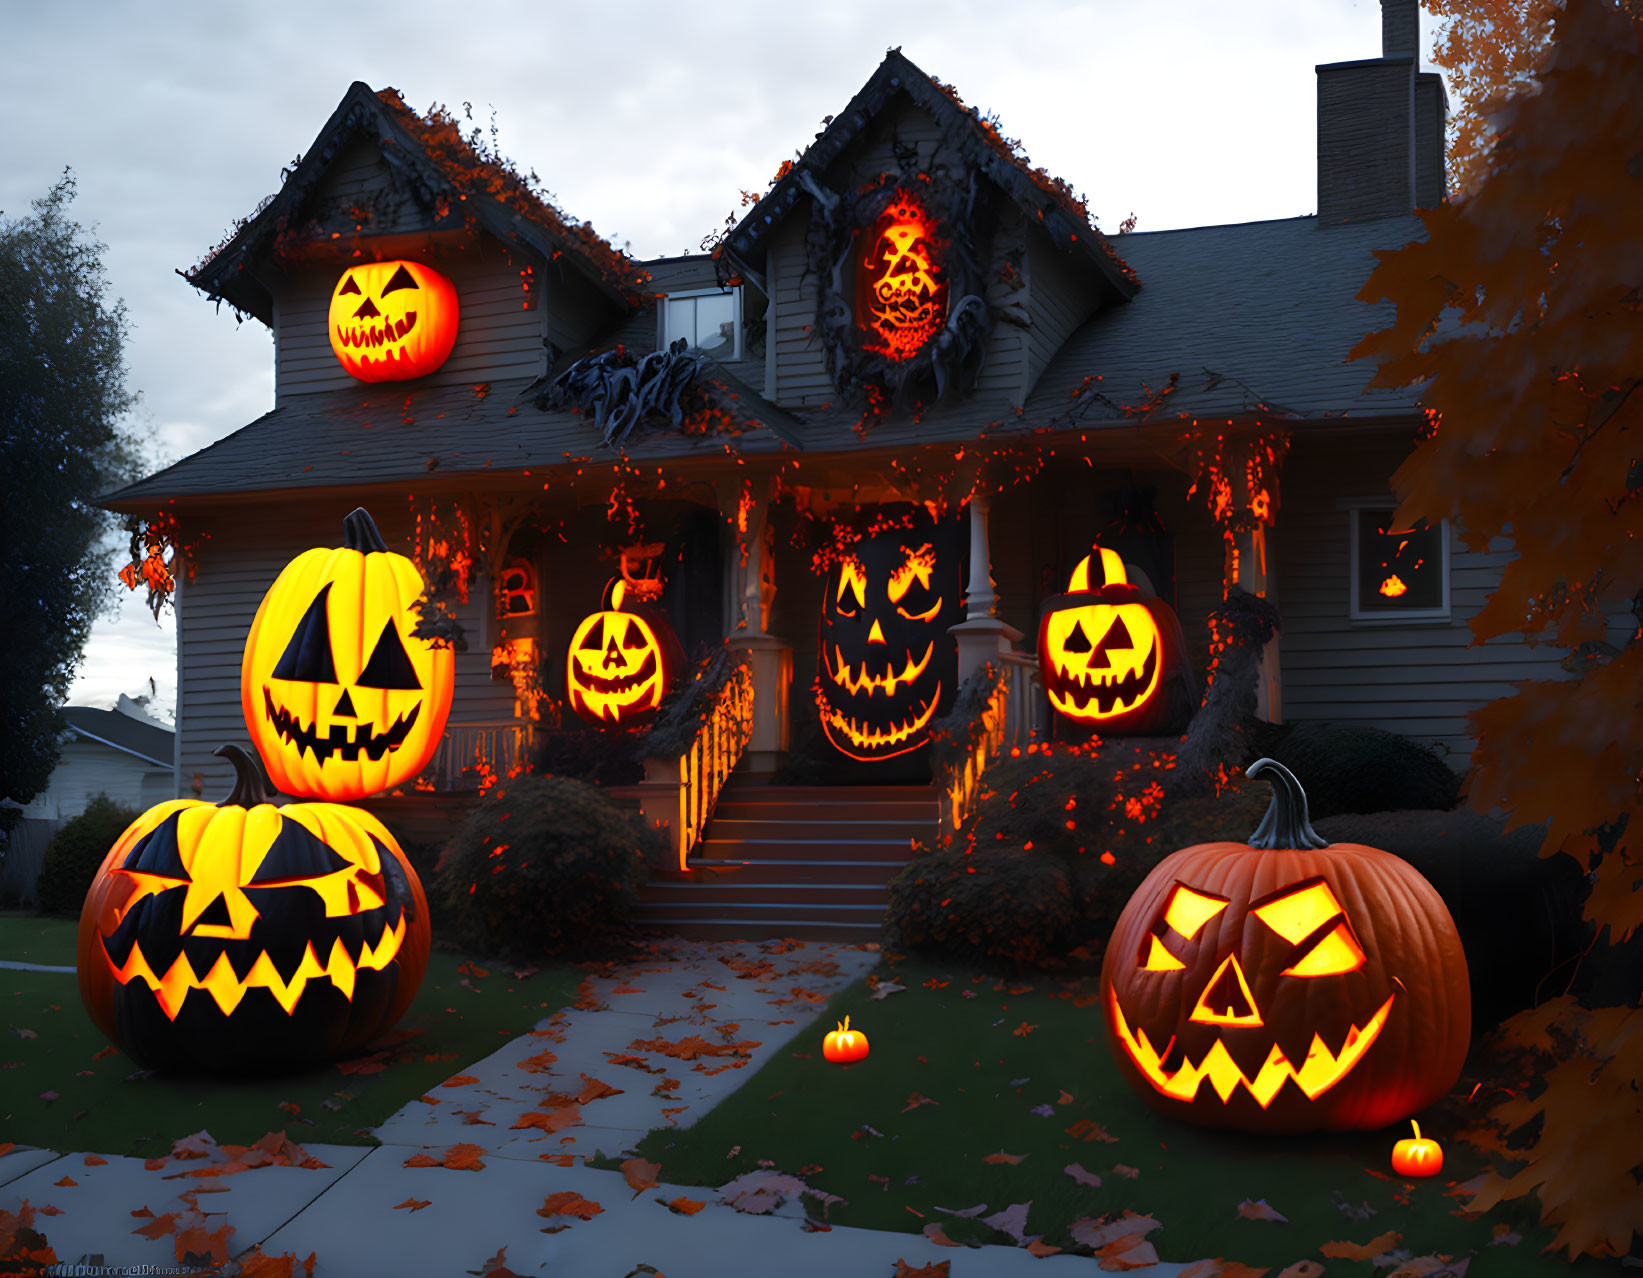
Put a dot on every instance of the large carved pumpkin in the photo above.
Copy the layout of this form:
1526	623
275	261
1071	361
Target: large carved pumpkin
1287	984
621	661
340	698
241	937
1111	660
391	321
886	665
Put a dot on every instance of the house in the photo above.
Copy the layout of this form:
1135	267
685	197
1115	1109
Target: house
122	753
993	361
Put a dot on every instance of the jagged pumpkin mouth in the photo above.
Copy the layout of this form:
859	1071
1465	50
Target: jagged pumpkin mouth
1072	691
846	677
616	685
386	333
245	965
1172	1073
338	741
847	731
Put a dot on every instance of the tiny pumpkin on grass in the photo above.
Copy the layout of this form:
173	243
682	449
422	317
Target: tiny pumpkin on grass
844	1045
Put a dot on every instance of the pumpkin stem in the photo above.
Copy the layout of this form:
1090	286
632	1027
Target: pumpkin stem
1286	824
250	783
359	532
1417	1128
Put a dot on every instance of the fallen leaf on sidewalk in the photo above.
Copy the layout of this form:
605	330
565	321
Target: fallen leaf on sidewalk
691	1047
96	1160
1002	1157
256	1264
68	1182
460	1080
413	1204
537	1064
492	1266
6	1147
458	1158
569	1203
1259	1210
594	1090
640	1174
685	1206
471	1118
1362	1251
159	1227
196	1245
935	1269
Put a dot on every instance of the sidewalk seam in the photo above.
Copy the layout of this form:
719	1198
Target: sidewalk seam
334	1183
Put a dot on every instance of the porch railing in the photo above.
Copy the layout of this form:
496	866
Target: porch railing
470	756
681	791
1028	715
962	780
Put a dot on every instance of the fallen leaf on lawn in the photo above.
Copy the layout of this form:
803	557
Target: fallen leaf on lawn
1012	1221
373	1064
92	1160
1077	1172
1259	1210
1302	1269
916	1099
594	1090
1043	1111
200	1243
1087	1129
1002	1157
884	989
559	1118
460	1080
640	1175
1038	1247
569	1203
685	1206
1126	1171
1097	1234
414	1204
1218	1268
199	1145
1023	1029
936	1234
936	1269
49	1096
760	1192
1357	1211
25	1033
1065	1098
6	1147
1437	1266
1364	1251
159	1227
1130	1252
1505	1235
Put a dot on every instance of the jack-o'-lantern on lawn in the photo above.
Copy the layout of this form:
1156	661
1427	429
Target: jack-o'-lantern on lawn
392	321
340	698
621	660
886	666
241	937
901	288
1286	984
1113	661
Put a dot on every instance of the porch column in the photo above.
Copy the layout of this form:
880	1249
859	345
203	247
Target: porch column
753	590
1250	548
981	636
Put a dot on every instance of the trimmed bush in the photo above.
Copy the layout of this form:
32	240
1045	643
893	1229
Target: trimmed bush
1349	767
73	855
543	865
1009	906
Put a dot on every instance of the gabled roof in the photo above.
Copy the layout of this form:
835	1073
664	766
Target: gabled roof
445	174
147	741
1042	198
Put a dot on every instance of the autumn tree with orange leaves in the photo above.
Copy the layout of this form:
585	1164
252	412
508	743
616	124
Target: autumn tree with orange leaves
1521	311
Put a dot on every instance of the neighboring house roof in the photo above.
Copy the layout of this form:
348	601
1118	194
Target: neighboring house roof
120	731
445	175
977	144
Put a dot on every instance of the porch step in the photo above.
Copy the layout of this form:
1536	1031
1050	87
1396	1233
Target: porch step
809	862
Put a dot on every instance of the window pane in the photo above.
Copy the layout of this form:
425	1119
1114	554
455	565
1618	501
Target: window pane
681	320
716	325
1398	568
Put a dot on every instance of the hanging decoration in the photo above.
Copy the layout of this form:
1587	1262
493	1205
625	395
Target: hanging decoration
621	659
392	321
621	390
1235	473
886	665
901	287
1287	984
156	549
1110	659
240	937
340	696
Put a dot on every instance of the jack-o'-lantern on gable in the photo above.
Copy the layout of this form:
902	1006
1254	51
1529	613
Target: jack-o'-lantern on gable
901	286
1286	984
392	321
241	937
1112	660
886	665
622	658
341	698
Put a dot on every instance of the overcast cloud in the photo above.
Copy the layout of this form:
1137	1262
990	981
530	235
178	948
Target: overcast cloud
645	118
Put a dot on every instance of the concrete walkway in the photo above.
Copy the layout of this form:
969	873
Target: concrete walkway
497	1162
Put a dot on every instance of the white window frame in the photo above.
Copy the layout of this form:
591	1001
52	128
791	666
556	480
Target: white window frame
736	322
1384	617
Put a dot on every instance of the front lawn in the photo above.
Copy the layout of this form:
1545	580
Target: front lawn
66	1088
979	1090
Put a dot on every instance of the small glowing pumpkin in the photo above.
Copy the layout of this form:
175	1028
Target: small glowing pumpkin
844	1045
1111	660
1286	984
1417	1155
340	697
620	661
240	937
392	321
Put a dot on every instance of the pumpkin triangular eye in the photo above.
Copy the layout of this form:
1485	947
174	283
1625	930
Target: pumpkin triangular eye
389	666
635	637
402	279
159	854
296	855
307	658
1118	637
596	636
349	285
1078	641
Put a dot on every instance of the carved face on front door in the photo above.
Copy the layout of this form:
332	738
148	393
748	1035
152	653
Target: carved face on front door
886	666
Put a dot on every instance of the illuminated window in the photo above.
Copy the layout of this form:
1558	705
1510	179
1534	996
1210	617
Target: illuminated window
708	320
1398	573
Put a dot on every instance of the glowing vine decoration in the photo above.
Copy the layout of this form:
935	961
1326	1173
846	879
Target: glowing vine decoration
155	547
901	288
444	550
1237	475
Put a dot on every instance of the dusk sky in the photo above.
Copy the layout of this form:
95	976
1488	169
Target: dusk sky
646	119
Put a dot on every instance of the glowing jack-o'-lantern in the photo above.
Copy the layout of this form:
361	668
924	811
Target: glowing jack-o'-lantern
620	661
1110	659
340	697
885	663
241	937
844	1046
1287	984
901	289
392	321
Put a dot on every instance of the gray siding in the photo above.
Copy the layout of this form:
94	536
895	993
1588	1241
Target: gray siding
238	559
800	373
1006	369
1062	293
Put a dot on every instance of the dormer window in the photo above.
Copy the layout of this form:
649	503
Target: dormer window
710	321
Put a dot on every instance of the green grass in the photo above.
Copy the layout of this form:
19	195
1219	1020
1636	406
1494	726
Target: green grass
801	1113
100	1109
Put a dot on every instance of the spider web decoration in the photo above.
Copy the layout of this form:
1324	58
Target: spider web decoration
620	390
861	368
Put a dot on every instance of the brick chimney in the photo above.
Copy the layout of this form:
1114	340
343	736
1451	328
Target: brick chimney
1380	127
